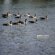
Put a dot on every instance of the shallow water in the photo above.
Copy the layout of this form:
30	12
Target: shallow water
24	40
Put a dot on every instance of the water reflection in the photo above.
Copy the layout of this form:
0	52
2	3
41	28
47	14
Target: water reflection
6	5
1	1
30	1
42	0
15	1
45	2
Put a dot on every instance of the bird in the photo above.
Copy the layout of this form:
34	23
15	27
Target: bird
31	21
28	14
21	22
14	23
5	15
8	24
17	15
34	19
43	18
25	21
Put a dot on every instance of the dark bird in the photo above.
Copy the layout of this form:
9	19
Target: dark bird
31	21
43	18
29	15
8	24
6	15
20	22
17	15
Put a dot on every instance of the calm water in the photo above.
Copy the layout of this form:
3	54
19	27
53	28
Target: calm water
24	40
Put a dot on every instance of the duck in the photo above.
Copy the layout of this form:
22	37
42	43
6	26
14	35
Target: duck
14	23
31	21
6	15
43	18
35	18
17	15
25	21
21	22
28	14
9	14
8	24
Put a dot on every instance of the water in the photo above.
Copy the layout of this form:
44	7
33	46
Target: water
24	40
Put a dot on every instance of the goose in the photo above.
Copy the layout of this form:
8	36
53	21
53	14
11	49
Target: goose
8	24
43	18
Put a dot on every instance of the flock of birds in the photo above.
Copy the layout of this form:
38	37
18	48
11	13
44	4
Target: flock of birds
18	16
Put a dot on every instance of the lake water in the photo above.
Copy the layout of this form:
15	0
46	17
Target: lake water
32	39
